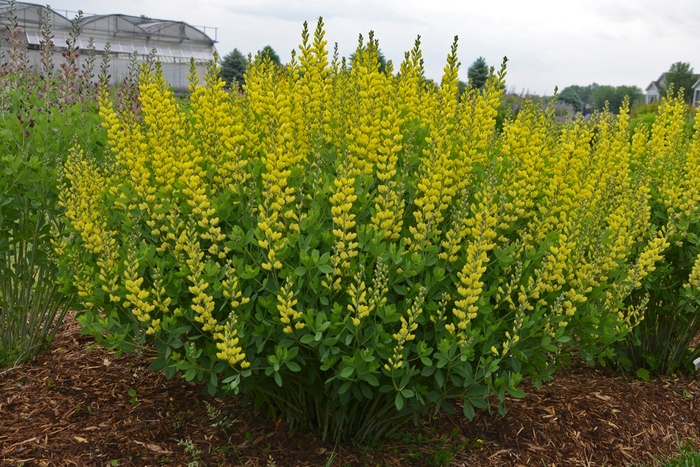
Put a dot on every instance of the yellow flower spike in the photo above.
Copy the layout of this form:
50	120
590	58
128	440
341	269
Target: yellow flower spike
408	325
694	278
286	307
231	351
470	286
341	200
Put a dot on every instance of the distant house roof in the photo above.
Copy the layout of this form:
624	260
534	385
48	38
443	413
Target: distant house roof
654	86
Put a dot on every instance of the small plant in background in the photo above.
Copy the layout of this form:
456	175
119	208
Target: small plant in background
215	416
191	450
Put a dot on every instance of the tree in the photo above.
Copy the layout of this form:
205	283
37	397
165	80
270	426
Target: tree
461	89
635	94
269	52
233	67
584	92
681	76
614	96
571	97
478	73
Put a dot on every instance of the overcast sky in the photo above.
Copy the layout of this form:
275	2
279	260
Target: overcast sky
548	43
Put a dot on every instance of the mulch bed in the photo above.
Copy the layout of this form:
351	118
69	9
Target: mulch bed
71	406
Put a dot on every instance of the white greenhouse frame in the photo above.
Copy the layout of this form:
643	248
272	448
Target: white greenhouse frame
175	42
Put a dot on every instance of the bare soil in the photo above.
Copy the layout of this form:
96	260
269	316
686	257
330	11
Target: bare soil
80	407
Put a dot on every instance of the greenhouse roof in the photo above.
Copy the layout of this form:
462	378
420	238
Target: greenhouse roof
29	14
126	34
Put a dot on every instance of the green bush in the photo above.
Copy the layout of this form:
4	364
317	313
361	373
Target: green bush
352	249
43	112
670	295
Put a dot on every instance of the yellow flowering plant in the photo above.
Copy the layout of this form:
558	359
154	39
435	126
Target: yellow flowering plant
668	297
351	247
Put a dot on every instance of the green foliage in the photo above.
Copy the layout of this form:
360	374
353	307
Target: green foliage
660	344
688	456
669	296
461	88
644	114
679	75
614	96
233	67
569	96
478	73
585	93
42	114
595	96
255	256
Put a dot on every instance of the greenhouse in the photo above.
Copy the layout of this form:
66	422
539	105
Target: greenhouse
175	42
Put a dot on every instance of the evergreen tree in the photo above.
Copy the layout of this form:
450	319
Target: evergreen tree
478	73
233	67
269	52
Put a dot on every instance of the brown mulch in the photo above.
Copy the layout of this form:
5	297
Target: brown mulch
71	406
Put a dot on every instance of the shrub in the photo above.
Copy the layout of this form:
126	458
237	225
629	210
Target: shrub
43	111
351	248
670	295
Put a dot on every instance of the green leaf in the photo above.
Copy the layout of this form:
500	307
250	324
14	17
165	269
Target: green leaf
344	387
325	269
323	259
398	402
478	403
407	393
371	379
478	391
293	366
347	372
643	374
440	379
300	271
307	338
158	364
468	410
516	392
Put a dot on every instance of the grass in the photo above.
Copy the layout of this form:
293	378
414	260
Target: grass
689	457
